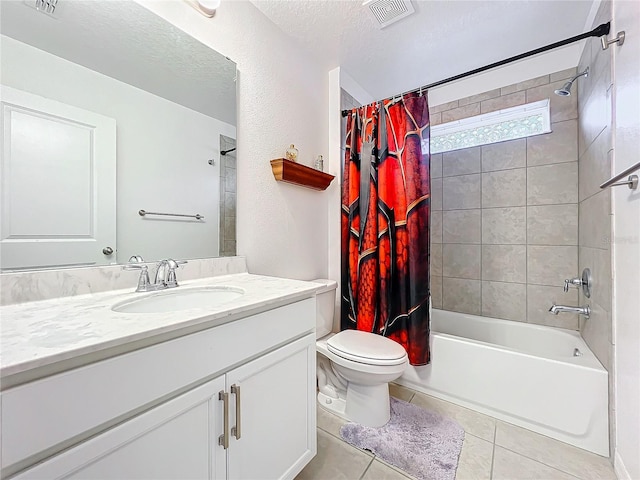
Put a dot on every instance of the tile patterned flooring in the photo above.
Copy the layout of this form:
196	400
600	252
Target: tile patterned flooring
492	450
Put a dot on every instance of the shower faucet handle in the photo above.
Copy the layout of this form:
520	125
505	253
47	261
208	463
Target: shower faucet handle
585	282
577	282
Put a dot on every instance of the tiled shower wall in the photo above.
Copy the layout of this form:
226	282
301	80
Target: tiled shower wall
595	150
227	198
505	216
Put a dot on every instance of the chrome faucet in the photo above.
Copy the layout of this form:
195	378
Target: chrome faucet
165	275
556	309
166	272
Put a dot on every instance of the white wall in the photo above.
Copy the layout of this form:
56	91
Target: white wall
162	152
282	99
626	245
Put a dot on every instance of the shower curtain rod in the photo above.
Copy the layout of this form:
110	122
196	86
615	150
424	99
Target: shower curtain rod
599	31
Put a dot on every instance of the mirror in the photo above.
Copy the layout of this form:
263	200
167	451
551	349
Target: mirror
107	111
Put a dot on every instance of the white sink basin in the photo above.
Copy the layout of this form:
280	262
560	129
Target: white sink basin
179	298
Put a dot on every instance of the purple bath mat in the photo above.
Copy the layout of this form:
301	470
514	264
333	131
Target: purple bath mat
424	444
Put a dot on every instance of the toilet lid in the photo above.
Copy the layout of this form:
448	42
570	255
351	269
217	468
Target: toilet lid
365	347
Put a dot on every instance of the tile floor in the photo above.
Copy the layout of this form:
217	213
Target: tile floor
492	449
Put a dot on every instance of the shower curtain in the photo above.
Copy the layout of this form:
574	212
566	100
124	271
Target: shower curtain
385	223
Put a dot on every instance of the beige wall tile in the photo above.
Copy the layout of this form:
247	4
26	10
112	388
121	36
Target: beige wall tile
595	220
435	118
596	331
551	265
504	226
517	87
479	97
436	259
461	162
461	226
230	202
508	465
436	226
594	167
504	263
601	59
562	108
436	194
572	460
461	192
586	83
443	106
562	75
506	188
595	115
505	101
552	224
436	292
599	262
461	112
230	248
561	145
552	184
504	155
504	300
230	228
540	298
461	295
461	261
436	165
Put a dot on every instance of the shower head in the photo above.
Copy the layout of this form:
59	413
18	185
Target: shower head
565	91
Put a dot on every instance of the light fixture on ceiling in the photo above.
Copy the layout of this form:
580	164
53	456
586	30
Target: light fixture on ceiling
205	7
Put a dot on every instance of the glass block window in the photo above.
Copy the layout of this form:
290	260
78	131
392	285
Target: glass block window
507	124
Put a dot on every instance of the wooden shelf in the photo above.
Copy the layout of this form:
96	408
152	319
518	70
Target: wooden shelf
291	172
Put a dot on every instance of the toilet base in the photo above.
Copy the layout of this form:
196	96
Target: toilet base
333	405
368	405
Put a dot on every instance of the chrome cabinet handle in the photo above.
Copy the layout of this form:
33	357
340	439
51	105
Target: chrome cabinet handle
236	431
224	438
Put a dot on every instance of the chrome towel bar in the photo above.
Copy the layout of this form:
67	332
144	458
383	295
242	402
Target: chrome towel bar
631	182
197	216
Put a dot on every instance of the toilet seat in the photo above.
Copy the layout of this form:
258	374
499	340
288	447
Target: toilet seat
367	348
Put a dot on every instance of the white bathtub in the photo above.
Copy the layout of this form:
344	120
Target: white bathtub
520	373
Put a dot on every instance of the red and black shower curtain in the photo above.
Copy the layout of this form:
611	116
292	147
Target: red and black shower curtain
385	223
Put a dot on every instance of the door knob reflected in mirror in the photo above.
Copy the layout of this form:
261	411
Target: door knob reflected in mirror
107	251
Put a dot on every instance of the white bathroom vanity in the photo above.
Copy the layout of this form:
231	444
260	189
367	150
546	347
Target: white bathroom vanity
222	392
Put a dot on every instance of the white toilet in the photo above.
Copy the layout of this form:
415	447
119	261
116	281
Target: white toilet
354	367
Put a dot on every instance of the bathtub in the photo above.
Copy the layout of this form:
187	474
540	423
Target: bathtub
523	374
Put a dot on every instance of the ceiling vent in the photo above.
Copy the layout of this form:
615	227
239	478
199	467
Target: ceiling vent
386	12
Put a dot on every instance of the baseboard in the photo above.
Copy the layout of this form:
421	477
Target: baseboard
620	469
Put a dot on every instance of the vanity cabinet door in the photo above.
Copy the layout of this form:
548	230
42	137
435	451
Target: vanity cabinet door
175	440
277	413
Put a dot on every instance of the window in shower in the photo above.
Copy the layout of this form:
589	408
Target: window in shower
506	124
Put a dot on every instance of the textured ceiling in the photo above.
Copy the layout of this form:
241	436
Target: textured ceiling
125	41
442	39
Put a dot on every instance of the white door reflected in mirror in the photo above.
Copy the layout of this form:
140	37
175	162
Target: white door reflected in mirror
58	183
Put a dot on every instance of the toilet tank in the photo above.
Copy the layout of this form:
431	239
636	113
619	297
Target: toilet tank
325	304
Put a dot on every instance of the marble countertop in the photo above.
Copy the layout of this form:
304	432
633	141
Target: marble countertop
39	335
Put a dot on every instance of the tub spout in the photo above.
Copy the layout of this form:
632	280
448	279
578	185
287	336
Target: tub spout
556	309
